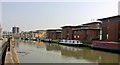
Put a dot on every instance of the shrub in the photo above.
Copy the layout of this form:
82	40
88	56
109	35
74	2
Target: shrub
86	42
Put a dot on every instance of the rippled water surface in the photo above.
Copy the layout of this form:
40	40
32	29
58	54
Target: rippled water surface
41	52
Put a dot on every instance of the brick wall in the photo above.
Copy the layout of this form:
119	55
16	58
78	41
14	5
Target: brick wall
110	28
93	34
79	35
67	33
53	34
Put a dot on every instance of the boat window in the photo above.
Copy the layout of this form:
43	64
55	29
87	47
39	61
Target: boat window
73	41
65	40
77	41
69	41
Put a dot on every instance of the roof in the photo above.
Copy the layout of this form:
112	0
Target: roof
87	29
75	26
92	23
79	26
67	26
109	17
54	30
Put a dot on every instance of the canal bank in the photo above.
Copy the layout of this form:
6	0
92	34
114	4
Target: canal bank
45	52
11	56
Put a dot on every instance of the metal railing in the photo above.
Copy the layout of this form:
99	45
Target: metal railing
3	49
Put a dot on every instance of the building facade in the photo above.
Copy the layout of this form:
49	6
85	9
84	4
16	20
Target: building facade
15	30
40	34
67	32
79	34
111	28
88	31
53	34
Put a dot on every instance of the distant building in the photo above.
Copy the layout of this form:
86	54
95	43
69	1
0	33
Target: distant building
53	34
111	28
15	30
40	34
6	34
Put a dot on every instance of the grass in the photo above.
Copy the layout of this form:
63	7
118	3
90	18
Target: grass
56	40
42	38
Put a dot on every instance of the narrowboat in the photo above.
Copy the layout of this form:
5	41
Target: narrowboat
70	42
107	45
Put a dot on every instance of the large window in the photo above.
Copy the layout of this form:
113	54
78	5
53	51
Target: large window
74	36
107	36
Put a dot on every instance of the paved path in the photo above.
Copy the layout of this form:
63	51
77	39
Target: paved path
11	56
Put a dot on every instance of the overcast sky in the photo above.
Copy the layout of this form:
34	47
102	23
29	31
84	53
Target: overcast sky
49	14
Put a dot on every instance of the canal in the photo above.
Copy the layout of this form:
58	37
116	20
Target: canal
42	52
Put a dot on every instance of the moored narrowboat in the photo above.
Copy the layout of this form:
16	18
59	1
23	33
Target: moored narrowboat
107	45
70	42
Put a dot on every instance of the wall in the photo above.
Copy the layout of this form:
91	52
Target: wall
67	33
111	27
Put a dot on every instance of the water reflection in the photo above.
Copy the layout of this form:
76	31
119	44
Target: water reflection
91	55
52	47
64	52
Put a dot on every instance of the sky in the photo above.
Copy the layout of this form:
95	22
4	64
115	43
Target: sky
52	14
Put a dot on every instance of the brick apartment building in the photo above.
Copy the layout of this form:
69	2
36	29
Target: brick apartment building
111	28
79	33
67	32
82	32
87	31
53	34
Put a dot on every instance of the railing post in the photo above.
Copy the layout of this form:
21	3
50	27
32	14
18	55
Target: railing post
9	44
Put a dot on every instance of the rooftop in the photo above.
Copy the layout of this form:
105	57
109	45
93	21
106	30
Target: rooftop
92	23
67	26
54	30
109	18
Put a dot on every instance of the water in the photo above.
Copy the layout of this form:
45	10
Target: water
41	52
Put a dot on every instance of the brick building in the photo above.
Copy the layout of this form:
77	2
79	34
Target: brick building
111	28
87	31
79	35
67	32
40	34
81	32
53	34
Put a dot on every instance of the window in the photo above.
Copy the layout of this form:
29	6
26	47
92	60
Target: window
74	36
107	36
67	33
75	31
108	20
65	40
73	41
78	36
